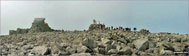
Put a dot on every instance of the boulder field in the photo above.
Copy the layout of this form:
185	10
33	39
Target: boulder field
94	42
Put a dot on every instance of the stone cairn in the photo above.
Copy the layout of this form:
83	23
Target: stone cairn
94	26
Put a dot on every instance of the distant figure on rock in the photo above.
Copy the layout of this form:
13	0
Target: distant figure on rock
127	29
117	28
108	28
102	26
112	27
135	29
120	28
94	21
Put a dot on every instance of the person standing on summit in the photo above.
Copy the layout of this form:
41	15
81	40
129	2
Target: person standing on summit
112	27
102	26
134	29
94	21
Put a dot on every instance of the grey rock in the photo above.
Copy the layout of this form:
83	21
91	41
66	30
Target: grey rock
101	50
82	49
112	51
26	47
152	44
90	43
141	44
62	53
41	50
71	50
125	51
55	49
81	54
106	41
122	41
98	42
64	45
109	47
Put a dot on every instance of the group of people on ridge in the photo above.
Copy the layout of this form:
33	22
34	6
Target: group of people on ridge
102	26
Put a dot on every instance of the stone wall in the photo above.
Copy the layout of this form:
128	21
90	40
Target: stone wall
18	31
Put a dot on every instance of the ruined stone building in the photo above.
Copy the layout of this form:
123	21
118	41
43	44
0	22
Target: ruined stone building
38	25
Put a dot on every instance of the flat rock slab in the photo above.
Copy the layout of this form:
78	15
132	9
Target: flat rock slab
40	50
141	44
81	54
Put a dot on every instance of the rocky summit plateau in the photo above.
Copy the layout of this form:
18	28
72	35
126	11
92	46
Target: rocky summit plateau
98	40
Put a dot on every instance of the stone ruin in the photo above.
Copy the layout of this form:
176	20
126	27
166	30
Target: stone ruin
38	25
18	31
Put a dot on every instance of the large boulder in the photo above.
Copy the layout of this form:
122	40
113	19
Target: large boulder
112	51
71	49
125	51
186	46
106	41
89	43
55	48
109	47
81	49
141	44
41	50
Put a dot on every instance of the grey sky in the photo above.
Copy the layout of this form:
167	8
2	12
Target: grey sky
157	16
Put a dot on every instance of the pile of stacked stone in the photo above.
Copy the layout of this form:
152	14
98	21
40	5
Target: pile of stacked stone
101	42
95	26
38	25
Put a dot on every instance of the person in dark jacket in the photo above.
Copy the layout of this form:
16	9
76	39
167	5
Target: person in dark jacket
134	29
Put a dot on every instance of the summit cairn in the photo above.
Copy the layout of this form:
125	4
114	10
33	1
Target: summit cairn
39	25
95	26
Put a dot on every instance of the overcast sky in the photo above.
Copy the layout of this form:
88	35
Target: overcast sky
156	16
